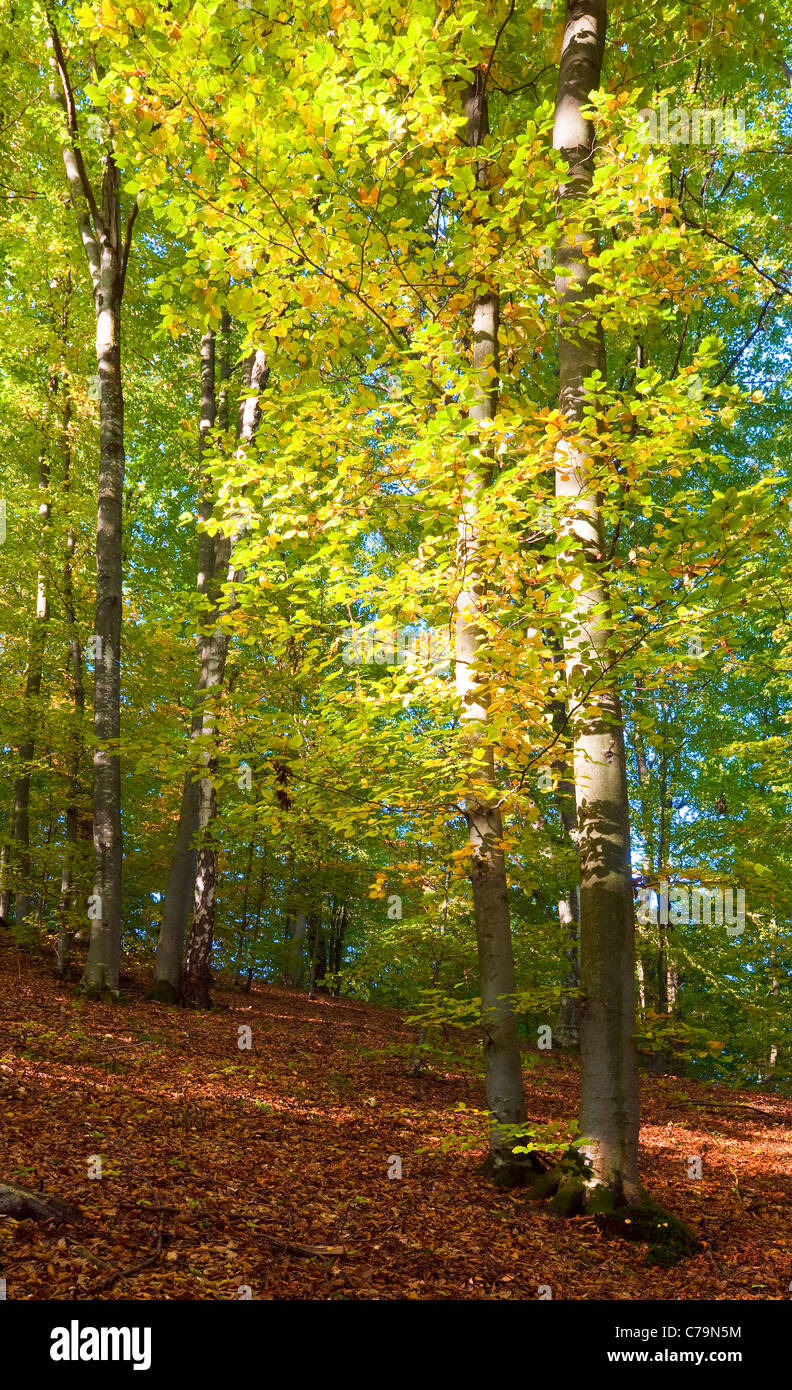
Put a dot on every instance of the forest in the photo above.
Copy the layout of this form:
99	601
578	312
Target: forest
396	715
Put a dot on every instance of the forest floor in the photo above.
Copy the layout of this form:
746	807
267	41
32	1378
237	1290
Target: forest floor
268	1168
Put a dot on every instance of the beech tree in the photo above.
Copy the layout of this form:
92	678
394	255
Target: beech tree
181	879
97	212
214	652
485	824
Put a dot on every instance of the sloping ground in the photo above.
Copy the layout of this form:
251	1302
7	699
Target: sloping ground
268	1168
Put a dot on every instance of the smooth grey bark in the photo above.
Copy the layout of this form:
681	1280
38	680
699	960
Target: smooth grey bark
503	1067
609	1115
178	896
567	1029
98	218
181	877
104	952
195	972
296	928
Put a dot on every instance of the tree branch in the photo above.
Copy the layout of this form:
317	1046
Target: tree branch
737	355
127	243
78	171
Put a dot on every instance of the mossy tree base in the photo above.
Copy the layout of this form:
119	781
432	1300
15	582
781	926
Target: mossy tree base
163	992
507	1169
571	1193
669	1239
100	994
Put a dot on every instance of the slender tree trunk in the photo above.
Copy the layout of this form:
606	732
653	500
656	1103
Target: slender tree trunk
338	925
181	878
665	1058
503	1067
639	970
77	733
30	710
104	952
416	1059
296	928
245	909
5	892
259	907
318	951
567	1030
609	1075
195	974
663	855
98	218
775	991
41	905
331	938
643	968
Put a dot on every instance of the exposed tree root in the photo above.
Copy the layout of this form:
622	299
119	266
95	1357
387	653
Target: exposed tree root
38	1206
572	1193
669	1239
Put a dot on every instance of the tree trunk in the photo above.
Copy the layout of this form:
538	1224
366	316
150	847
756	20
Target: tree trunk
41	905
664	1058
107	253
663	857
104	952
335	948
259	906
5	892
609	1075
318	951
774	990
567	1030
245	909
643	968
195	974
296	927
181	878
639	970
30	715
503	1067
77	734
